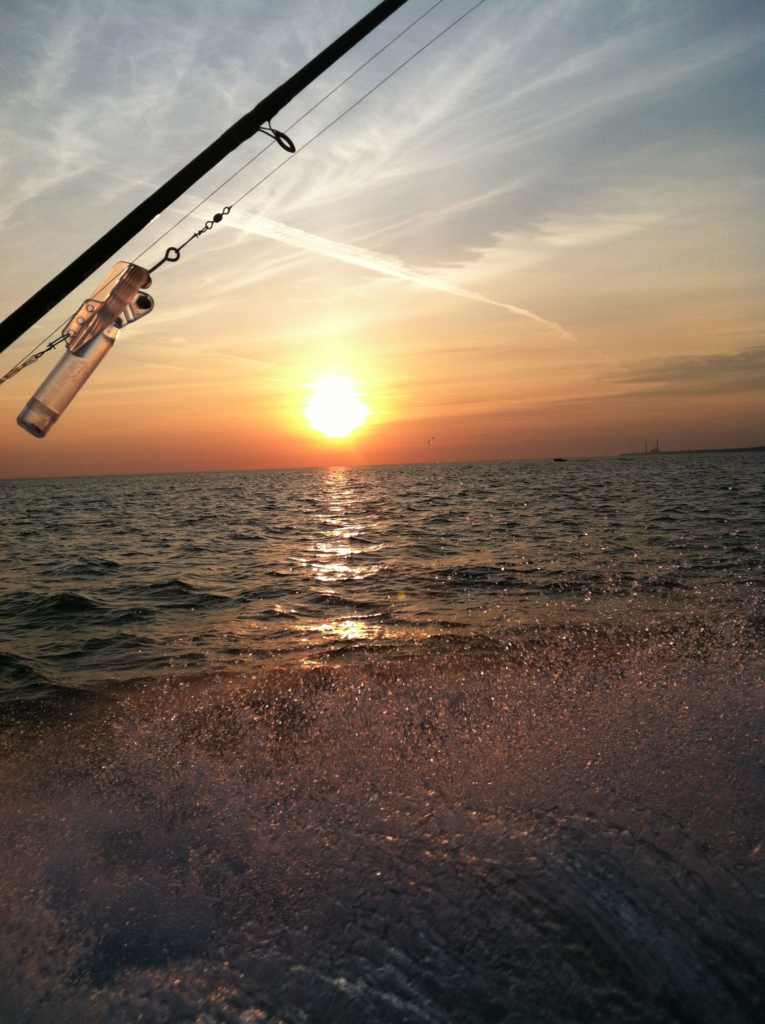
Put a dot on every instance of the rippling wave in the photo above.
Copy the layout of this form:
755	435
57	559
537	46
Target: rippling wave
248	566
469	743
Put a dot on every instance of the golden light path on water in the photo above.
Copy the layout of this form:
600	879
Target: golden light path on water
340	550
347	527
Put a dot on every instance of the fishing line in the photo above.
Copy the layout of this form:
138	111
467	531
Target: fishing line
360	100
33	355
218	217
173	253
289	128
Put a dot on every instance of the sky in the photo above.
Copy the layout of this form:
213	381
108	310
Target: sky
541	237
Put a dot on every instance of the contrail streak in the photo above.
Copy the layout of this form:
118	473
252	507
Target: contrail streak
370	260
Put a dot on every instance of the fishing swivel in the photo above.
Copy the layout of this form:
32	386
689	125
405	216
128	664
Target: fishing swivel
119	300
173	254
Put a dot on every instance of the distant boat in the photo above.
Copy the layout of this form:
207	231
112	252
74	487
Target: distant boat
560	460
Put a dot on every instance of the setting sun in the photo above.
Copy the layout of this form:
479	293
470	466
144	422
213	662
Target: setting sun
335	409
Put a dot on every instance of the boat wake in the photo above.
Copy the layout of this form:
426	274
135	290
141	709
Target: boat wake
568	830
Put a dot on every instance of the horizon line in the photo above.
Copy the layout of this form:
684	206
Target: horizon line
378	465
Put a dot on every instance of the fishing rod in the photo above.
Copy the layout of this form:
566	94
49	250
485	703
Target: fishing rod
120	299
258	119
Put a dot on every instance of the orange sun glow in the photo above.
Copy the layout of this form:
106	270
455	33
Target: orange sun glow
335	409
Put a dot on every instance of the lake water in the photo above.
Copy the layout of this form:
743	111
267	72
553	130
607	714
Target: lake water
470	742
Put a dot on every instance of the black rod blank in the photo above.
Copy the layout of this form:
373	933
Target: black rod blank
80	269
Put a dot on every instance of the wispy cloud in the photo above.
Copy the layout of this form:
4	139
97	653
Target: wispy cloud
716	373
596	166
380	263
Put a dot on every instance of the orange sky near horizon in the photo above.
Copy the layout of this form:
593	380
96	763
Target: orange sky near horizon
548	249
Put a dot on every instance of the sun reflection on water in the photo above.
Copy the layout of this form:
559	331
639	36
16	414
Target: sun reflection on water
344	629
342	549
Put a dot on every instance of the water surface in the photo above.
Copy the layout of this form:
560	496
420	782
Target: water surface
126	578
425	743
